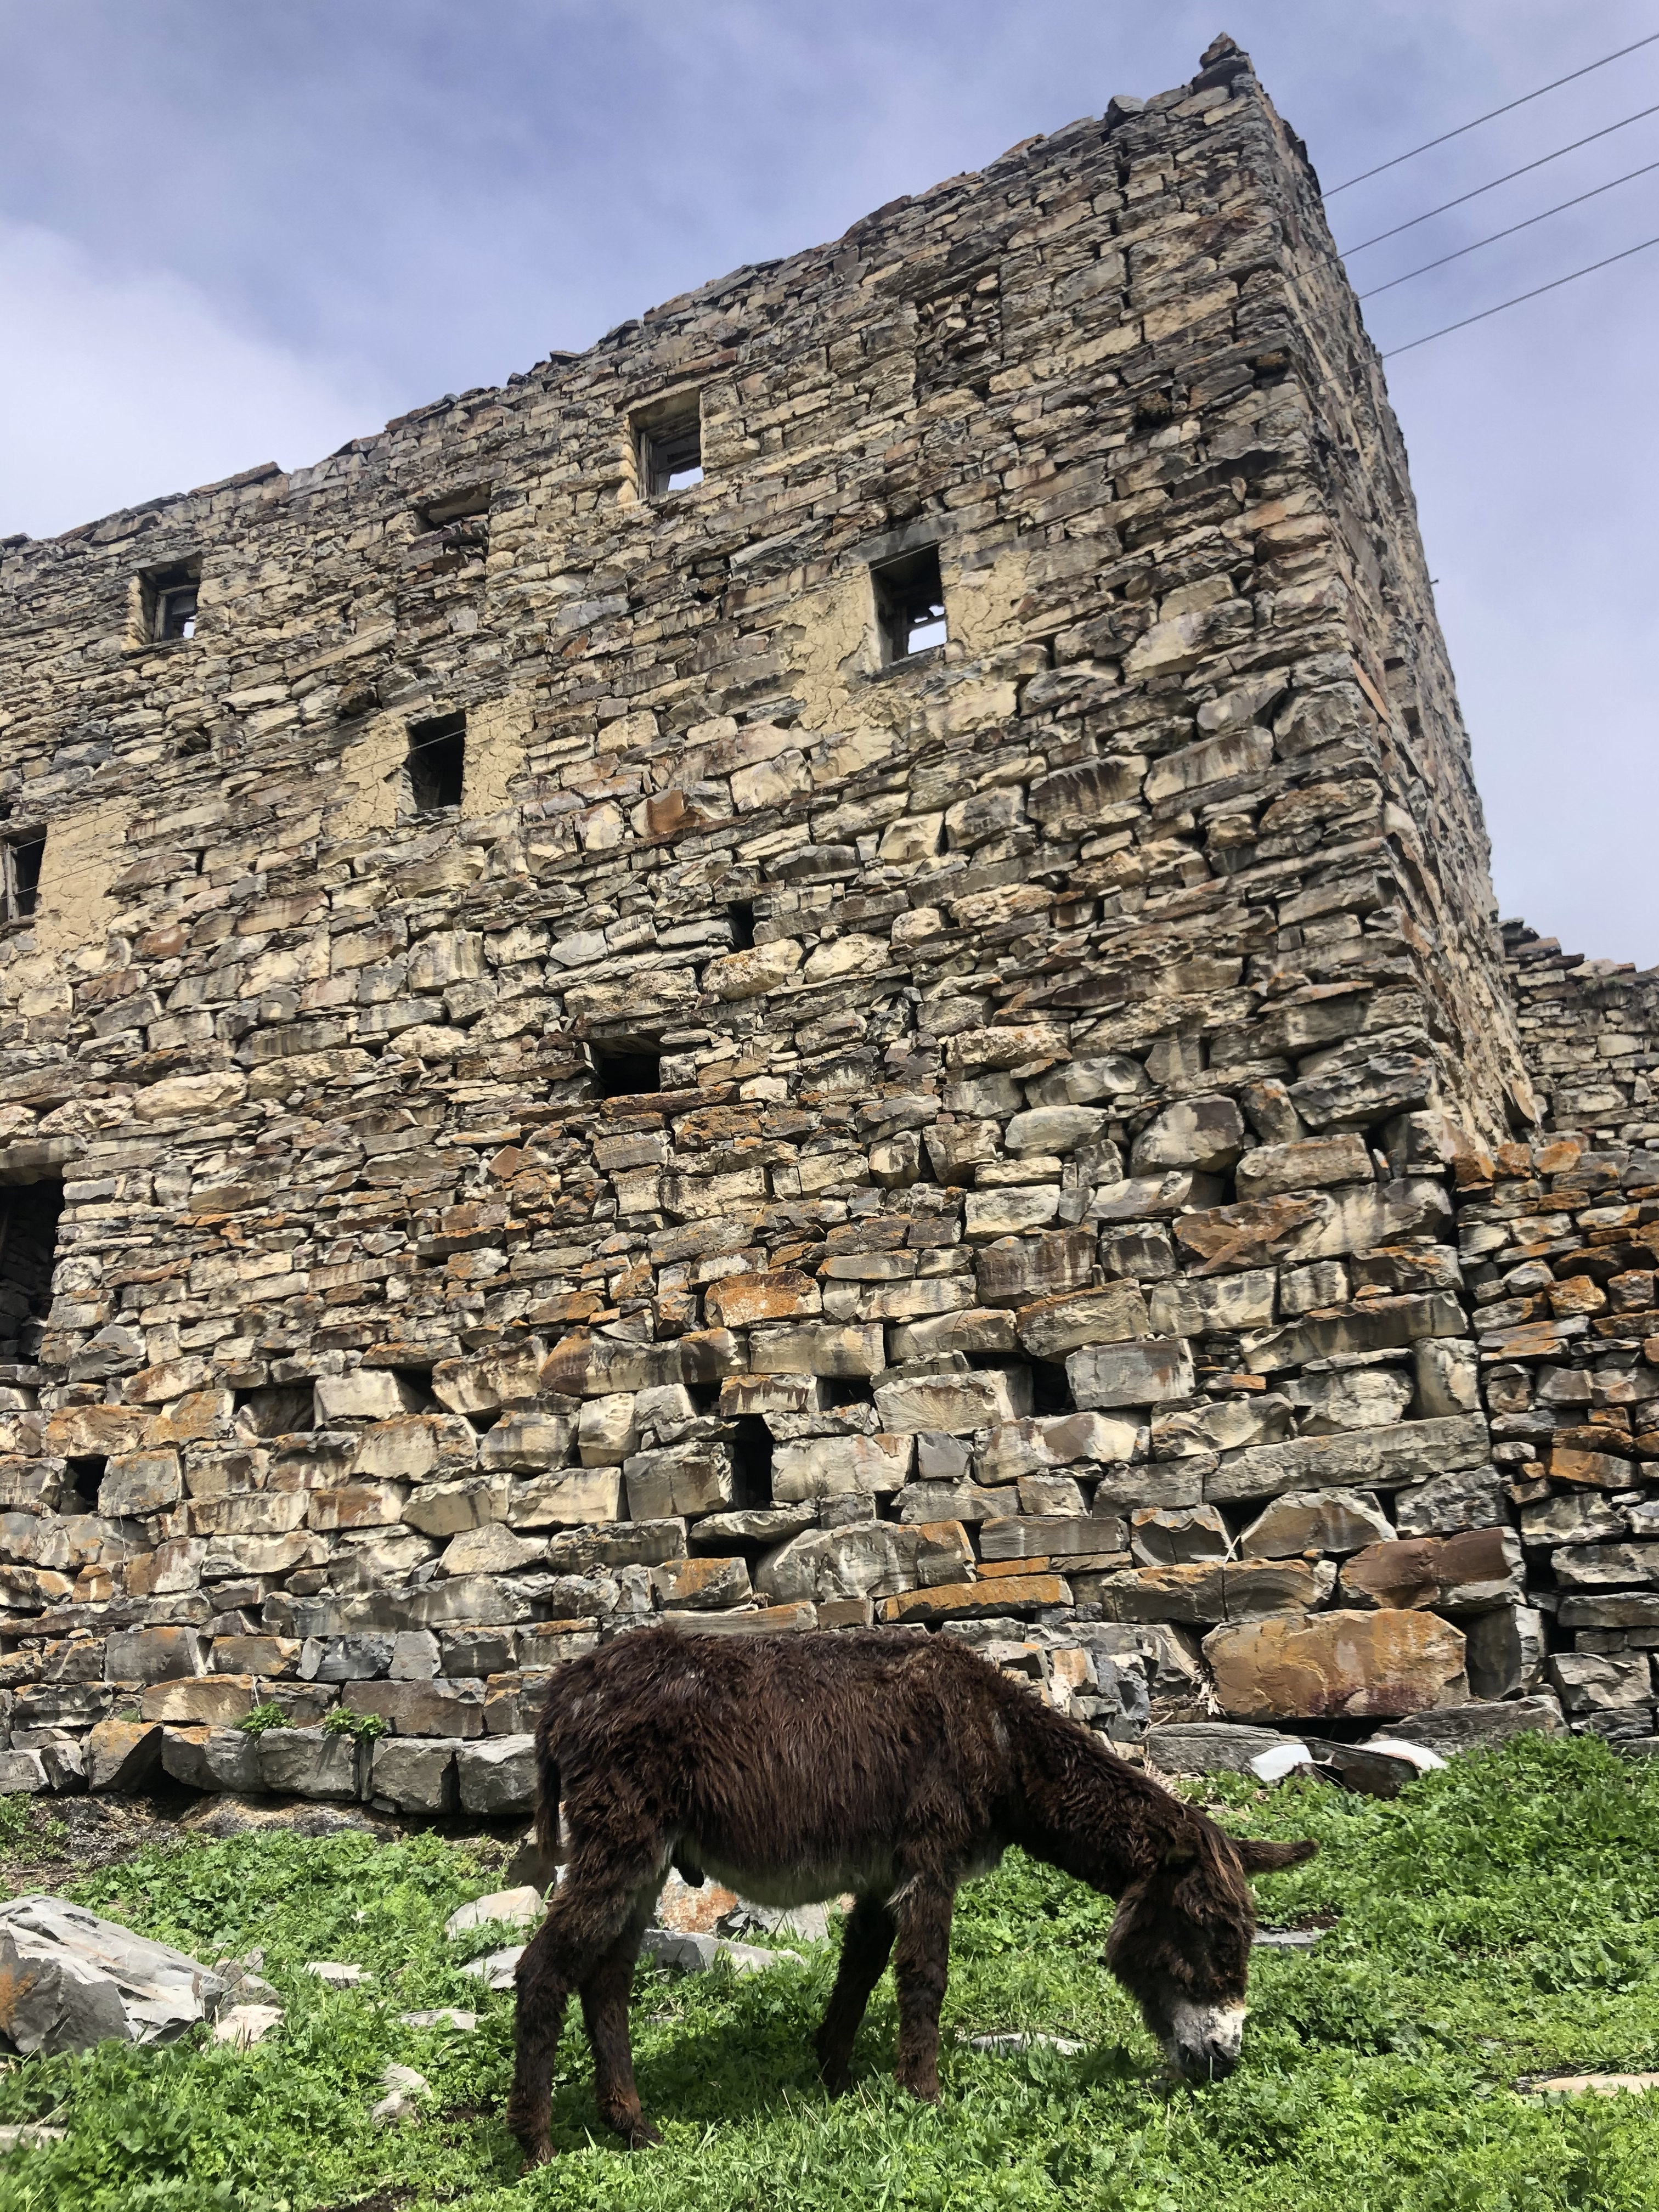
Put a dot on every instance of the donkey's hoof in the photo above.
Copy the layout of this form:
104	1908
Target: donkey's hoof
538	2151
636	2130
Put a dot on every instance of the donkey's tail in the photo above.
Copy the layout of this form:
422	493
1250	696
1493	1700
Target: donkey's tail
547	1807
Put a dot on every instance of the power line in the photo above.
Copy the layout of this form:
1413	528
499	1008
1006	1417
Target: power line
1507	177
1555	285
1490	114
1560	207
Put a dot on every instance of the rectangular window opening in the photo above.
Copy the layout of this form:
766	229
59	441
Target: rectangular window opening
172	594
20	860
670	451
742	918
911	604
437	763
628	1074
30	1215
470	505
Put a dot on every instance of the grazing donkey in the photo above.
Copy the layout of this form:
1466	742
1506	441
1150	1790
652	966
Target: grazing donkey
890	1765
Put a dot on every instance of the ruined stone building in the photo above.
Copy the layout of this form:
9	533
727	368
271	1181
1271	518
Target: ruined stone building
834	961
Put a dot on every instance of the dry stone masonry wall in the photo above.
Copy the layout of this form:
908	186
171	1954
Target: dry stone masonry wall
570	1060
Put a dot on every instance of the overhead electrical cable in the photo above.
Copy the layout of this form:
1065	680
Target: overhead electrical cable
1507	177
1571	277
1646	170
1490	112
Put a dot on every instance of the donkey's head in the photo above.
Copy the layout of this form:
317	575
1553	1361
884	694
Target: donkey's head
1180	1942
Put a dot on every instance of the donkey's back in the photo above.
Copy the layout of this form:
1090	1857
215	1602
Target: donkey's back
792	1767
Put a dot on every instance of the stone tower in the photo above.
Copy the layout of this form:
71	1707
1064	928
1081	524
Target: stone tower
832	963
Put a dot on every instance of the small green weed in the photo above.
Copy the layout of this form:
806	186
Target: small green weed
1498	1920
270	1715
361	1728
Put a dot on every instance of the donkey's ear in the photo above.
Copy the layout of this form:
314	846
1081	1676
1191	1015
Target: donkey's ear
1258	1858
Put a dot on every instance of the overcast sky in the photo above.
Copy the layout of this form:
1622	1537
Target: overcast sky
239	232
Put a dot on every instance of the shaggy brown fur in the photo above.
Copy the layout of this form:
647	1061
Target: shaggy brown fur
894	1766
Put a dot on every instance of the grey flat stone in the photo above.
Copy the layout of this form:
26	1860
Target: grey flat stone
29	2137
245	2025
68	1980
1208	1747
1288	1939
516	1908
1446	1729
495	1969
442	2017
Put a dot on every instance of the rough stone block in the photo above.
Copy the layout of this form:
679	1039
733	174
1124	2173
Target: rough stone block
368	1393
304	1762
213	1759
416	1777
437	1708
954	1405
1355	1665
155	1655
122	1755
841	1466
1337	1521
1050	1328
209	1700
1154	1372
497	1778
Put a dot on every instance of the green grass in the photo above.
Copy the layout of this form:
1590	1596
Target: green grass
1497	1921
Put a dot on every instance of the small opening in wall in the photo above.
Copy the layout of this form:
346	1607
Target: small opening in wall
752	1462
437	763
86	1479
28	1251
468	504
172	594
21	857
670	450
627	1074
742	918
911	604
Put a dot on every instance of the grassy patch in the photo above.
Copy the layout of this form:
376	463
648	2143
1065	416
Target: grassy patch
1498	1920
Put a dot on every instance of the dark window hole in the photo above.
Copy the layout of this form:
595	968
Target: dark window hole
627	1074
29	1214
847	1390
752	1462
23	858
911	604
437	763
742	918
85	1476
670	453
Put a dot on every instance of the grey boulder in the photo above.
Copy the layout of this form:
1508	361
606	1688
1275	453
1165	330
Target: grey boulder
68	1980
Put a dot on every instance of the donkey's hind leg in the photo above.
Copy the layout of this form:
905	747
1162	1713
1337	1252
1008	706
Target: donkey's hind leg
582	1927
864	1944
604	1997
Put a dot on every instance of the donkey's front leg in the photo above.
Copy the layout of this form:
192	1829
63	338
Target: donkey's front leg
922	1966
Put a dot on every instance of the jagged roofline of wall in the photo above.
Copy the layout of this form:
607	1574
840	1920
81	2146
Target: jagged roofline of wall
1042	1230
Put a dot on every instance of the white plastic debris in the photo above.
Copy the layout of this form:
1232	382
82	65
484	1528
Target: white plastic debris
1282	1759
1418	1754
1011	2041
